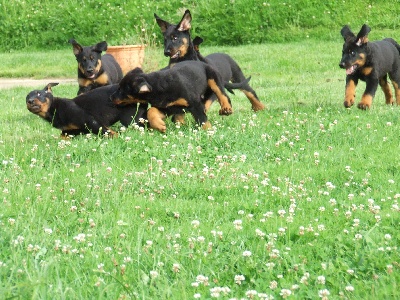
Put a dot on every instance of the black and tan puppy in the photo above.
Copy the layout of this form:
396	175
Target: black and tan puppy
92	112
371	62
178	46
94	69
174	91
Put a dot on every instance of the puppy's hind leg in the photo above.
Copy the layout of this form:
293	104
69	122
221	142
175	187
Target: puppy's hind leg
396	91
396	84
386	89
214	82
198	112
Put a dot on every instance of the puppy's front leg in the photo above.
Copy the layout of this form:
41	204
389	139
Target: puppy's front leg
370	90
156	119
350	92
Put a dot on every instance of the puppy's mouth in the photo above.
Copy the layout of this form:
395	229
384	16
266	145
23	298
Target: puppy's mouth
350	70
34	108
91	75
177	53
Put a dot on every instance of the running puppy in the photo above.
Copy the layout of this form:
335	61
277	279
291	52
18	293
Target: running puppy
370	62
178	46
174	91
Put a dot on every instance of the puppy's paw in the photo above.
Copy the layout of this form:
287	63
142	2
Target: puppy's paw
348	104
363	106
206	125
160	126
257	107
225	111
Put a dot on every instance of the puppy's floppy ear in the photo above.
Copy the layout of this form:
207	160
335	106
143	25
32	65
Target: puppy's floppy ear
144	88
185	23
362	36
141	86
100	47
161	23
76	48
48	87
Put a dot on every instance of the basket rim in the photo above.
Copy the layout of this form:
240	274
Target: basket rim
125	47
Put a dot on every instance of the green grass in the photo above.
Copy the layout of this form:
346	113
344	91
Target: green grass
301	197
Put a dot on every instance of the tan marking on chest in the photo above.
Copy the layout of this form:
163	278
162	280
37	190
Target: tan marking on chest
102	79
84	82
70	127
179	102
367	71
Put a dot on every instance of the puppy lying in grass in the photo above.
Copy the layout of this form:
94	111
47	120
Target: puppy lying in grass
182	88
92	112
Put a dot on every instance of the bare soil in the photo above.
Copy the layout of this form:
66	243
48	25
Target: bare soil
6	83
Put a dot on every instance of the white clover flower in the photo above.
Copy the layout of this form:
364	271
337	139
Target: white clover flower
247	253
154	274
388	237
176	268
323	293
358	236
251	294
238	224
195	223
350	271
321	279
239	279
285	293
349	288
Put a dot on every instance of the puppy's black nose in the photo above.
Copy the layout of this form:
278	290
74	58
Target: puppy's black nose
30	100
342	65
167	52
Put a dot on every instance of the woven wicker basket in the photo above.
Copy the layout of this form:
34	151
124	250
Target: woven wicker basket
128	57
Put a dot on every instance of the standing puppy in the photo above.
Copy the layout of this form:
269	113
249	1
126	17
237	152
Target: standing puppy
178	46
370	62
173	91
94	69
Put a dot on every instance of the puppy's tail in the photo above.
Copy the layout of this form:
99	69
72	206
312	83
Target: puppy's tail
230	86
392	41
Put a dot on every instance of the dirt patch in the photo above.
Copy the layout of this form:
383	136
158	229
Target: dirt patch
6	83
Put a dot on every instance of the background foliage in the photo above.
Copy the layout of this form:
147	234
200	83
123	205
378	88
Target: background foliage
49	24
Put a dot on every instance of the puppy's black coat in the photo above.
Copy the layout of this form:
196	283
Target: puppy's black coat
94	69
91	112
178	46
174	91
371	62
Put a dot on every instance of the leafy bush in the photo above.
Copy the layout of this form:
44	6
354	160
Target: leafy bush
50	24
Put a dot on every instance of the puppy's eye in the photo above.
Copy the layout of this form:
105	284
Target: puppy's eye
174	38
353	53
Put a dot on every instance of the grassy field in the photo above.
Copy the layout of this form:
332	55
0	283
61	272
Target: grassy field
298	201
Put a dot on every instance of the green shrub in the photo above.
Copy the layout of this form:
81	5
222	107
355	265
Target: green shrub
50	24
